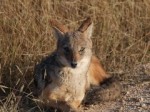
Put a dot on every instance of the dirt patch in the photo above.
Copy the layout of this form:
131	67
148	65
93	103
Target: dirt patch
131	93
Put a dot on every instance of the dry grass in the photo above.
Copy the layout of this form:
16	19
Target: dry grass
121	38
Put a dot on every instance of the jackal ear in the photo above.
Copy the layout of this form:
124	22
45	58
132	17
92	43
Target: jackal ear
57	33
59	29
87	27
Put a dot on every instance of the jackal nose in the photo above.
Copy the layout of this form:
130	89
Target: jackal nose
74	64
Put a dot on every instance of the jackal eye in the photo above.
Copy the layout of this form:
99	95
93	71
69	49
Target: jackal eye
66	49
81	51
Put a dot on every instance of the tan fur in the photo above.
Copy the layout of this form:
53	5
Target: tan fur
58	25
60	82
96	74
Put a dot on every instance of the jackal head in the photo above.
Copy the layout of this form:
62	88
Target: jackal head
73	47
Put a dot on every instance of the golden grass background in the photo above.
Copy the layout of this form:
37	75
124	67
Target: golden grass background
121	37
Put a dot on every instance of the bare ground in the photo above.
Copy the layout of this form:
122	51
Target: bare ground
130	92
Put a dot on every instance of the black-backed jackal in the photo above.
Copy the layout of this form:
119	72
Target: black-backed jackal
63	77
